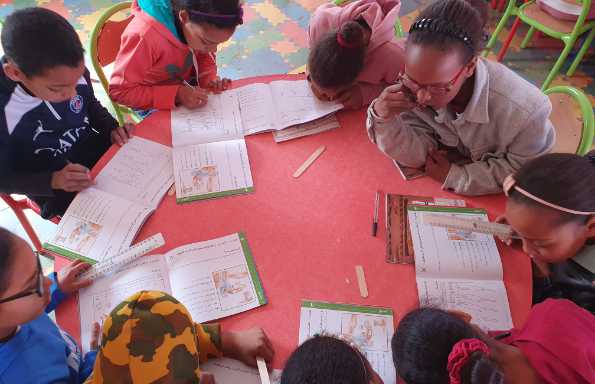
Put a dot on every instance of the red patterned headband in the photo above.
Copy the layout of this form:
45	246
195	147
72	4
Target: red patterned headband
460	354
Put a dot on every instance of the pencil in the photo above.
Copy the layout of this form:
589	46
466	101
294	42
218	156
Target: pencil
188	84
375	221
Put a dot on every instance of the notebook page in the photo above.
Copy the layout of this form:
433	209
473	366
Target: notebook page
101	297
97	225
370	328
215	278
445	253
141	171
205	171
218	120
257	108
297	104
485	301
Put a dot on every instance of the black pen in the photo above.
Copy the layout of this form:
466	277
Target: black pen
375	220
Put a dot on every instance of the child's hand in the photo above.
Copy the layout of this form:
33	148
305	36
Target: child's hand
246	346
68	280
219	85
72	178
317	92
95	337
352	98
394	100
502	220
437	165
120	135
191	98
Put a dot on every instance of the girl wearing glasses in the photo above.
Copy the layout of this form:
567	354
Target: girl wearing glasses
32	348
555	346
468	121
167	55
354	52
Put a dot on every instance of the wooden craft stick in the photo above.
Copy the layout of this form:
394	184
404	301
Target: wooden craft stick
361	281
309	162
262	370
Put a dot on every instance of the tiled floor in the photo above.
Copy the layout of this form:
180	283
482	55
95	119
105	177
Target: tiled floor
273	40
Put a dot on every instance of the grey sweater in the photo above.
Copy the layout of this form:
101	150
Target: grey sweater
505	124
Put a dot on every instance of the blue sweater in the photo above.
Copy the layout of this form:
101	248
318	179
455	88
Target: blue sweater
40	352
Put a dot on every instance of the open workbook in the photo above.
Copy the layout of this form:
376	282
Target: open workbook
459	270
370	328
213	279
210	156
104	219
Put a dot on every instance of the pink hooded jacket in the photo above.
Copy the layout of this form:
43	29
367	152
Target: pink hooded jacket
151	64
385	55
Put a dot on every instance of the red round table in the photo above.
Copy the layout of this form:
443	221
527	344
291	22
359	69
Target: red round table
308	234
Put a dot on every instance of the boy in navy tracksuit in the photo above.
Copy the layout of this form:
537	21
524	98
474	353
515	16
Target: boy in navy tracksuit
52	128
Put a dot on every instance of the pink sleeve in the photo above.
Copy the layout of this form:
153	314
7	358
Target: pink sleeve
126	84
207	68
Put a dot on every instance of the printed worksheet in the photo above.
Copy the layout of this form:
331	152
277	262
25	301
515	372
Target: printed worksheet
230	371
104	219
370	328
141	171
147	273
219	120
247	110
213	279
205	171
460	270
97	225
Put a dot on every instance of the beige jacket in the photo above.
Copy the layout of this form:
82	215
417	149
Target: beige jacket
505	124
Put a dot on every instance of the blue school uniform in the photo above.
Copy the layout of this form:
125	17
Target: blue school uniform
40	352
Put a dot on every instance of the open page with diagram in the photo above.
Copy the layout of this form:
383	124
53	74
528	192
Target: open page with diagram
459	270
213	279
97	225
370	328
104	219
206	171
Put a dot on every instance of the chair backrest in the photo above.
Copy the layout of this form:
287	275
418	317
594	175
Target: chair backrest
572	117
105	43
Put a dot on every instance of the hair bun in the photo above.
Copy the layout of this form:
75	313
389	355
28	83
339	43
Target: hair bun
351	35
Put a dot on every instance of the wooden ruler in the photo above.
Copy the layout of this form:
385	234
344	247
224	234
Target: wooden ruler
471	225
116	262
399	246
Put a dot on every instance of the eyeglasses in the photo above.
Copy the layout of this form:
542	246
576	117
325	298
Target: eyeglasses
434	89
38	290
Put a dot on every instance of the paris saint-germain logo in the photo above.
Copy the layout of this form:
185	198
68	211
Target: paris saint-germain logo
76	104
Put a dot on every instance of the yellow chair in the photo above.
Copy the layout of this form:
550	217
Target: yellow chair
105	44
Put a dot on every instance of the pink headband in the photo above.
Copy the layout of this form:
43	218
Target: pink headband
460	354
510	183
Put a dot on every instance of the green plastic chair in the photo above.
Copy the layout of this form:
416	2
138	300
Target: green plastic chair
398	27
530	13
573	119
104	47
